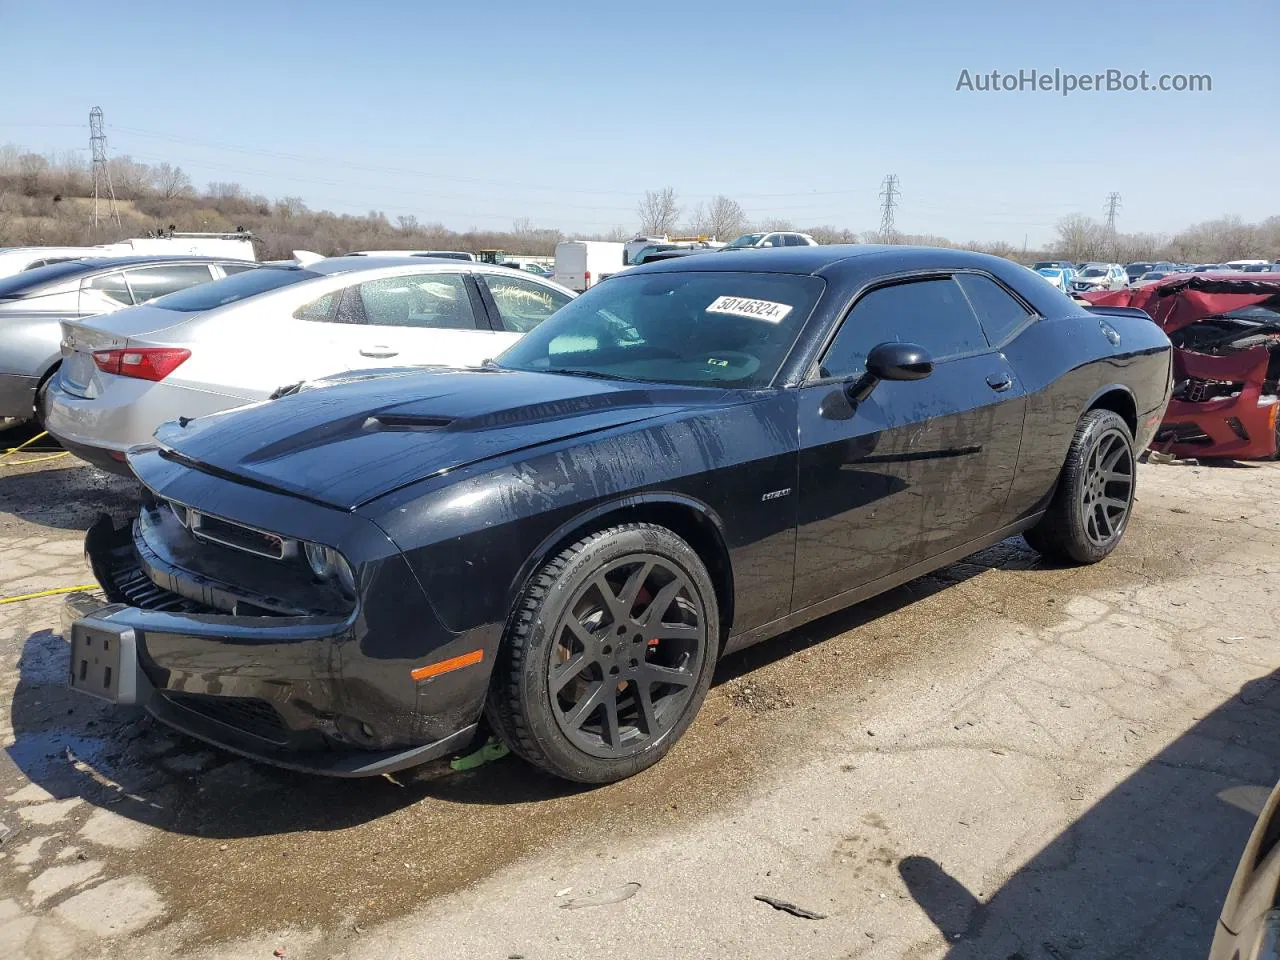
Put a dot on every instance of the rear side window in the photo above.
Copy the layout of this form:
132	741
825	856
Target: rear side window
112	286
147	283
233	289
523	305
998	311
437	301
233	268
931	313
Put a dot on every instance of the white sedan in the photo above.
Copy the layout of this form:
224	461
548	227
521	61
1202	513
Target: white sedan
248	337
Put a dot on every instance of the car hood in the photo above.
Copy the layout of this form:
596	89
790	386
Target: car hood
351	443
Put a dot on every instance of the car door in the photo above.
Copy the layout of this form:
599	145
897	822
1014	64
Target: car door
518	305
432	317
916	469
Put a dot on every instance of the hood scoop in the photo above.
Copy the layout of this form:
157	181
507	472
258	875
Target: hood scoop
406	421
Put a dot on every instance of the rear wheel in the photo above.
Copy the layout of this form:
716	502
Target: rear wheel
609	655
1090	509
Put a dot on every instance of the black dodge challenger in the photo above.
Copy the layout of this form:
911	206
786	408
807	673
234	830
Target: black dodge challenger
558	546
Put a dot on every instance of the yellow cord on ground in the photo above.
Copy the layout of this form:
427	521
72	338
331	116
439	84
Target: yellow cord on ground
47	593
4	457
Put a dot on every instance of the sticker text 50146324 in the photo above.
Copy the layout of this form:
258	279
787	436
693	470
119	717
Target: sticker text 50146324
765	310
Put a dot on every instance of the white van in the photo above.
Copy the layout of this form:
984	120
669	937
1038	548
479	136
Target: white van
580	263
234	246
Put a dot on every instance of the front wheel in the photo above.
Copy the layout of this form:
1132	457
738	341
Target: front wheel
608	656
1091	507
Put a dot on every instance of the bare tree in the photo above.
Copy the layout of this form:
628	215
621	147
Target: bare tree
170	182
1081	238
291	207
724	218
659	212
407	222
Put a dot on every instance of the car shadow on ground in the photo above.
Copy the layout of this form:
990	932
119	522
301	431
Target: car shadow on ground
62	496
1144	871
122	759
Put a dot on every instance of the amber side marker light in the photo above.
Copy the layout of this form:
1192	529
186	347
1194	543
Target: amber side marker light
446	666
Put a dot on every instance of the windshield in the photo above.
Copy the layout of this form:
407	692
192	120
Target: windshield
746	240
28	281
694	328
1094	272
1137	269
233	289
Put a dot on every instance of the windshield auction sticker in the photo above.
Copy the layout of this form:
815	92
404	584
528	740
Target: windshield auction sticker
765	310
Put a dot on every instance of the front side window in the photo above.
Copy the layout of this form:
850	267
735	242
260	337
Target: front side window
932	313
523	305
702	329
112	286
147	283
437	301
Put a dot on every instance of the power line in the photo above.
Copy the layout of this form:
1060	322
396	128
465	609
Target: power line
889	196
102	189
1113	207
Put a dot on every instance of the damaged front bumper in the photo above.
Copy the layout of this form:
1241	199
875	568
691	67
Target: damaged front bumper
1222	408
293	691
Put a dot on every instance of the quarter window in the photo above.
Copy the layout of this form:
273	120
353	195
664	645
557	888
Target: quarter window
523	305
111	286
999	313
932	313
436	301
320	310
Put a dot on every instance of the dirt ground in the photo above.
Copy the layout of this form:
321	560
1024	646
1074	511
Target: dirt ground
1004	760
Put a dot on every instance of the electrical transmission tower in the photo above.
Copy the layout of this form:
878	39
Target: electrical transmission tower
889	194
103	193
1113	206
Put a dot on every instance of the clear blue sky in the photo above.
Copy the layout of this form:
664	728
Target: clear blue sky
566	112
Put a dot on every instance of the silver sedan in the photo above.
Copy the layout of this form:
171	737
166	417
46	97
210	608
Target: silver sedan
247	338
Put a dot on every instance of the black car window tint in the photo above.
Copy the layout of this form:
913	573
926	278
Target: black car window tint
999	312
932	313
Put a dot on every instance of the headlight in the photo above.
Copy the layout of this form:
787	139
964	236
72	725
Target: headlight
329	565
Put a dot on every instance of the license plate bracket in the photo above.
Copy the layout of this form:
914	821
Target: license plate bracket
104	661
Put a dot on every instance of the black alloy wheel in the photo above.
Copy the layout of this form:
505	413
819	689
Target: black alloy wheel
608	655
627	655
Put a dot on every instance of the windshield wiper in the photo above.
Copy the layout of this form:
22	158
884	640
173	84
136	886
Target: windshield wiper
591	374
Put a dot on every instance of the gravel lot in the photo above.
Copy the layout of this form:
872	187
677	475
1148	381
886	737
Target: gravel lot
1004	760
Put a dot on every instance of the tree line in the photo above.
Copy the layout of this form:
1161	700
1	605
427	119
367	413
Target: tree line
44	199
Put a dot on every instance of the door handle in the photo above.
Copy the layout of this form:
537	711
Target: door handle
379	353
999	382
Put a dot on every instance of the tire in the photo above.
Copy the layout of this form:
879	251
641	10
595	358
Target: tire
1091	507
567	645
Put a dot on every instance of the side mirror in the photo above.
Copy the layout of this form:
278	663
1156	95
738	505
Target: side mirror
890	361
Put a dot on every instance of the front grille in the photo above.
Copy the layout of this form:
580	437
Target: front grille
126	582
237	536
246	714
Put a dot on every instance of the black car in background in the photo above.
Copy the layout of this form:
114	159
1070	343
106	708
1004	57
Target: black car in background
693	457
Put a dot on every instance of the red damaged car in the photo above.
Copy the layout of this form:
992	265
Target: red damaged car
1225	330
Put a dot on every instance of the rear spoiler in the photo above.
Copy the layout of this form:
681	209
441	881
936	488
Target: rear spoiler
1119	312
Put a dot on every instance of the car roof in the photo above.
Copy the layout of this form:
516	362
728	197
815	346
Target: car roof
335	265
885	258
107	263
